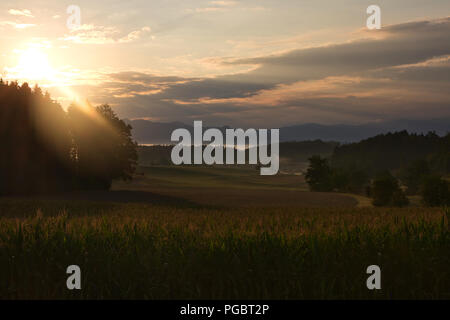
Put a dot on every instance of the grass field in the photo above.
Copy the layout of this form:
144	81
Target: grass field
155	241
232	186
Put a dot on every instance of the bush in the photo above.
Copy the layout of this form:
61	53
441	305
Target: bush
435	192
387	192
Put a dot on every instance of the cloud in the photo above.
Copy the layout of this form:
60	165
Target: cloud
135	35
94	34
215	6
406	43
207	9
132	84
17	25
145	78
401	45
224	6
25	13
224	3
402	71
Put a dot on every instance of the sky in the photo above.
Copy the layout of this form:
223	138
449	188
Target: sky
249	63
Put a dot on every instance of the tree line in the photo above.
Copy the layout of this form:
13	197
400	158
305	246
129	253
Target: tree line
387	167
47	149
293	151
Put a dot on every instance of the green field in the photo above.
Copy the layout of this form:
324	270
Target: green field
219	233
232	186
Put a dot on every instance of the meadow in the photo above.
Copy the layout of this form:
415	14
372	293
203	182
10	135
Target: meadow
150	239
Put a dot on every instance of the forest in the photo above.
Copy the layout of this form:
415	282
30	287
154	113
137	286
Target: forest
387	167
47	149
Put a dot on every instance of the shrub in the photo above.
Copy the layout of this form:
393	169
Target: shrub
387	192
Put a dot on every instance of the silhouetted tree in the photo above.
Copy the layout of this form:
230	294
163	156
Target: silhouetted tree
103	147
35	141
389	151
45	149
319	174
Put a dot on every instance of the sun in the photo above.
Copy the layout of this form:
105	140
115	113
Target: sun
33	65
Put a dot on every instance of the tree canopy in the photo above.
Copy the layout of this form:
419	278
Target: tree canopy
46	149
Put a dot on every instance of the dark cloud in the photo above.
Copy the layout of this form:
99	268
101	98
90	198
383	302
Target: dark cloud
131	76
438	74
403	71
406	43
218	88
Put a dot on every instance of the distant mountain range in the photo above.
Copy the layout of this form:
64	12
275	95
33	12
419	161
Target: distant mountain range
149	132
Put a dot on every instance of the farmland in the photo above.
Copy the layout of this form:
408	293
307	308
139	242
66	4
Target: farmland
219	233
